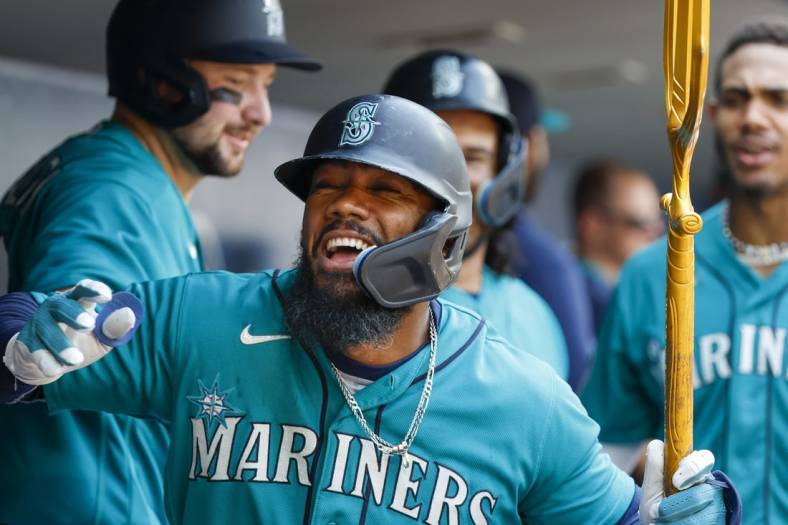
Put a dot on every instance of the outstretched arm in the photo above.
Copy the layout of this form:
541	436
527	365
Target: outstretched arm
65	331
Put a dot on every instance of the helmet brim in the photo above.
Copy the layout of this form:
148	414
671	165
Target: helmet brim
296	174
267	51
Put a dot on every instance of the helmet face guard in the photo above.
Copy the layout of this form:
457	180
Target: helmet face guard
402	137
412	269
499	200
449	80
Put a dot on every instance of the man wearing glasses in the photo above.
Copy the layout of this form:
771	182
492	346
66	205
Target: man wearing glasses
617	212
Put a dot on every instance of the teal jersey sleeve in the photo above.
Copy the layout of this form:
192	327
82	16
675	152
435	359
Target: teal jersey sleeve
100	207
574	482
615	395
87	233
136	378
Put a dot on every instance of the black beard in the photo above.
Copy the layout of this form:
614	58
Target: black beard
208	159
333	318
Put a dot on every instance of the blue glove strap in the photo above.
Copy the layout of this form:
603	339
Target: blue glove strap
730	494
119	300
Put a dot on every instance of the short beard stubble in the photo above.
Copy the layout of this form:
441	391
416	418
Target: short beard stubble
208	158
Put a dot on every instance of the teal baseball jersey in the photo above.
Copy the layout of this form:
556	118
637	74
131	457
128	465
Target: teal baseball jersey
519	314
262	434
98	206
741	394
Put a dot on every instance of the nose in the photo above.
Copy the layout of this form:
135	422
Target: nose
349	203
257	111
756	114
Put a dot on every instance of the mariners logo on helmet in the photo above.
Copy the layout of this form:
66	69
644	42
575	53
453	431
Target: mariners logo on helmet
447	77
359	125
274	18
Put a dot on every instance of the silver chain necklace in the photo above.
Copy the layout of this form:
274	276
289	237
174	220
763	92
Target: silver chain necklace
754	254
384	446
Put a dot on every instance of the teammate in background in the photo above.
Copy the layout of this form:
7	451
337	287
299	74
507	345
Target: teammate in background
741	278
468	94
288	392
110	204
616	212
542	263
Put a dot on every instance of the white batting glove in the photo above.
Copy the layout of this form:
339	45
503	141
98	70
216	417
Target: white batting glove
698	502
67	333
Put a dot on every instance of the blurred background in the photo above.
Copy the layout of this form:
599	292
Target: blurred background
598	66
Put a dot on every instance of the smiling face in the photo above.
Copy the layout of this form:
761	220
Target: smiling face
217	142
351	207
751	118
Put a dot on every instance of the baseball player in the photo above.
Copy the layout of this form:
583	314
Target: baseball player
110	204
741	276
467	93
343	391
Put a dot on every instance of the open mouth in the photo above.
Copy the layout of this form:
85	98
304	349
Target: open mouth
239	137
238	141
754	153
754	157
340	250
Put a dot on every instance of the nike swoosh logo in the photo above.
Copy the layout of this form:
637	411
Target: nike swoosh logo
249	339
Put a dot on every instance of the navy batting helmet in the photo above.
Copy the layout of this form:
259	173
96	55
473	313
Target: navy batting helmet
150	41
397	135
445	80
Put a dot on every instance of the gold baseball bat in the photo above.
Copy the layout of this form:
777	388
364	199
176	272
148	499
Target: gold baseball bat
686	59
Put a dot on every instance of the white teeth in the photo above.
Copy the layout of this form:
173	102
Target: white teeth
346	242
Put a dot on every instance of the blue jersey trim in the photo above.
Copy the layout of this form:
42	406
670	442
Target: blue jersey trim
323	408
456	354
373	373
